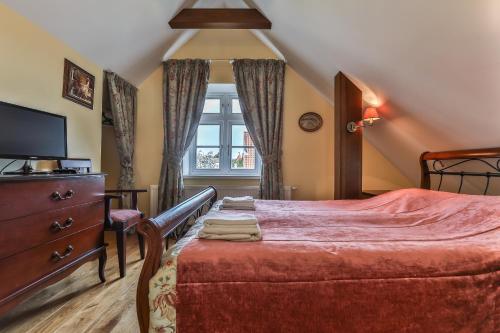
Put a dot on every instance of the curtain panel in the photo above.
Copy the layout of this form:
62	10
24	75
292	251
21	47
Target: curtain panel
259	84
185	85
122	101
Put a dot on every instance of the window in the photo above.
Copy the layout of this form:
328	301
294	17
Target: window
222	145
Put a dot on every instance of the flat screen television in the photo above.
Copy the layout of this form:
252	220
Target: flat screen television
31	134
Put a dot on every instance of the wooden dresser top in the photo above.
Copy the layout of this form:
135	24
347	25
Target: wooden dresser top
23	178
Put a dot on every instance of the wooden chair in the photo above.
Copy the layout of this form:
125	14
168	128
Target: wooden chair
121	220
118	220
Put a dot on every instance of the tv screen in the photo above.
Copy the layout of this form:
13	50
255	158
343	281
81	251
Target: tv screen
31	134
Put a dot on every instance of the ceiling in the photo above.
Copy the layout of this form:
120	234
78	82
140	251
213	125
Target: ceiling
432	65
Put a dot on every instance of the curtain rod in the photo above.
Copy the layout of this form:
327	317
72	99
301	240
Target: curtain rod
231	60
222	60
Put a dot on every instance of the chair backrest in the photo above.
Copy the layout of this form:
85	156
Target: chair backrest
81	165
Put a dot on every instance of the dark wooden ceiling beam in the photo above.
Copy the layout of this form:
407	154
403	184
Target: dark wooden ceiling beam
194	18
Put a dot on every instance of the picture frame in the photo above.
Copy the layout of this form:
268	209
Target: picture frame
310	122
78	85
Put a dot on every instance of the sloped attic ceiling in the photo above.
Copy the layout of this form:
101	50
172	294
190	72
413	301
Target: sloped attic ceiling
129	37
434	66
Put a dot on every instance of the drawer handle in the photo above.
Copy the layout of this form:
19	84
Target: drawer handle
56	226
58	196
57	257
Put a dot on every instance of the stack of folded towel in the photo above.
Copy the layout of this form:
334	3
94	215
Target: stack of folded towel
238	203
233	227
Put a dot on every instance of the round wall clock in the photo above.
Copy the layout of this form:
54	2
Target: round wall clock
310	122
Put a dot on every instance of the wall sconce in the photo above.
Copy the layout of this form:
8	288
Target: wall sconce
369	117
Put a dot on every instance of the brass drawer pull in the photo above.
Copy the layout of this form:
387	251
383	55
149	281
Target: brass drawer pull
57	257
58	196
56	226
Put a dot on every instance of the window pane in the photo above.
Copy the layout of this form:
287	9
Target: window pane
243	158
240	136
208	135
207	158
211	106
236	106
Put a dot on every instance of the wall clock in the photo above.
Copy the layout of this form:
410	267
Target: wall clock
310	122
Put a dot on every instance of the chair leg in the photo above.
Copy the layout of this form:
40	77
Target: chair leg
121	237
140	238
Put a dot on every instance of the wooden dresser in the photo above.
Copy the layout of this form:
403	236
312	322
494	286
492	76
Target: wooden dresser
49	226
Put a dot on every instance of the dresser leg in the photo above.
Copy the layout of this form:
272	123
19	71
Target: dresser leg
102	265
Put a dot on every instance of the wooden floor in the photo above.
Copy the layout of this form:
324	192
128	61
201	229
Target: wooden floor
80	303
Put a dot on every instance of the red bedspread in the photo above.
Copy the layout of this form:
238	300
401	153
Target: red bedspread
406	261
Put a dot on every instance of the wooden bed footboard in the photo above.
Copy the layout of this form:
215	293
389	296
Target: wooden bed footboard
173	222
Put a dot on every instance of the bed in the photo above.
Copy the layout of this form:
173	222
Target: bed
411	260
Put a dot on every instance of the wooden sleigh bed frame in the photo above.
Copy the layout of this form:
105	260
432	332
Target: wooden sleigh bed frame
174	222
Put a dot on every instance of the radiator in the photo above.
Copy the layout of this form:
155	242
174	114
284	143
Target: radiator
153	200
222	191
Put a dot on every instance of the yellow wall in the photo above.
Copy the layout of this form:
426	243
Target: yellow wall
307	157
149	141
379	173
31	74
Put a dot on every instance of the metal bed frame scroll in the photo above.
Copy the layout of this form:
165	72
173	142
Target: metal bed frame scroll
431	163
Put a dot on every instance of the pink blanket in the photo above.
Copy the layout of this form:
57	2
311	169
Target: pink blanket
406	261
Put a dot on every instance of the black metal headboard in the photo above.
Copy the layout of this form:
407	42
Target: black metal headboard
431	163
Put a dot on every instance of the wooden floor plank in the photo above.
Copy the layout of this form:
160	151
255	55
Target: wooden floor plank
80	303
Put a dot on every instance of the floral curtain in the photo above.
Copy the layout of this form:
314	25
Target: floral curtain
122	99
185	85
260	89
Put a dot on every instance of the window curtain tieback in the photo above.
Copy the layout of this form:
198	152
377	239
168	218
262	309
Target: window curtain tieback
271	158
174	160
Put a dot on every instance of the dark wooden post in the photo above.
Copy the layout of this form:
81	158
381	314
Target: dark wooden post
425	178
348	146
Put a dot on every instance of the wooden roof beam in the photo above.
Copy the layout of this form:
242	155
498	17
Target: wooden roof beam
212	18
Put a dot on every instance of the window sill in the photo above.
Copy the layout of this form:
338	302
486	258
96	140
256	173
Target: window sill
221	177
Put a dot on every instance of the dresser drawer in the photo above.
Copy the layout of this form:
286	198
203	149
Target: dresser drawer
27	267
23	233
18	199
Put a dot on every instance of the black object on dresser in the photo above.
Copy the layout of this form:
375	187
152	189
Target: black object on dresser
49	226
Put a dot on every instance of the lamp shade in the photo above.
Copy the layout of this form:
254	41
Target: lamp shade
371	114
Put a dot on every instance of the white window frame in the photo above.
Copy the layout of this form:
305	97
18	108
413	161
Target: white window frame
225	119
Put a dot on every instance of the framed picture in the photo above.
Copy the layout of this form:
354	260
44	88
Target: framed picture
78	85
310	122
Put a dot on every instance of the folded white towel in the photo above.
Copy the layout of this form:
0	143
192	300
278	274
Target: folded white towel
255	235
231	229
230	219
236	207
231	237
238	203
238	200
